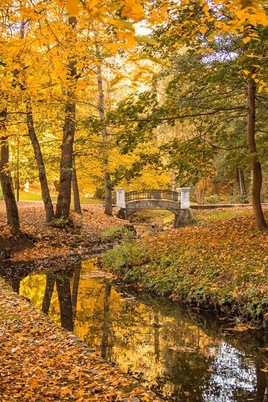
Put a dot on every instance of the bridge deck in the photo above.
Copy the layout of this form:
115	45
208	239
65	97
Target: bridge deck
165	195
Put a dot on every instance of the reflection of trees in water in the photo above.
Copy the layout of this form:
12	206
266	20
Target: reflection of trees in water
186	371
157	340
76	279
106	320
93	315
262	382
50	281
67	299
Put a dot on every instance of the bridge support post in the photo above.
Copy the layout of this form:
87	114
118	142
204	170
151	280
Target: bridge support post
120	198
121	203
185	216
184	197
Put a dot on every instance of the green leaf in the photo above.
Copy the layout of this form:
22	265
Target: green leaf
145	39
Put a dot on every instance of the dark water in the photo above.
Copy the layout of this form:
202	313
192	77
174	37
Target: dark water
180	354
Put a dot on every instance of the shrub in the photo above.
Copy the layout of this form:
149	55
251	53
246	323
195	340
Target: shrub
118	233
238	199
212	199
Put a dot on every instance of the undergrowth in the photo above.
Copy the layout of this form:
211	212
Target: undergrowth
221	265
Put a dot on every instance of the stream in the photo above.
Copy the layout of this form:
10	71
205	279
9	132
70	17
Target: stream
179	353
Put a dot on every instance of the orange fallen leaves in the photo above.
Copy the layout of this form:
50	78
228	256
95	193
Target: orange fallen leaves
44	242
42	362
217	264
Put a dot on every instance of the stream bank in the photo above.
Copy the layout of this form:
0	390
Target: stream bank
42	362
207	259
219	265
179	353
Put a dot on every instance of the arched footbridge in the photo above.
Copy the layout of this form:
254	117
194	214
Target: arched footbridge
133	201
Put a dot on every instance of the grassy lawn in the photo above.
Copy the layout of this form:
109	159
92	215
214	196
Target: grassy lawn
30	196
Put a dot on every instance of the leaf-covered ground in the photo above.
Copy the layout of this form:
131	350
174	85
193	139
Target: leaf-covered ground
40	362
42	243
220	264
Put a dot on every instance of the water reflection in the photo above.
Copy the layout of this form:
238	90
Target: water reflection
180	357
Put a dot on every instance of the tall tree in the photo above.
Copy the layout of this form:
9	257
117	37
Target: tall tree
256	166
40	164
104	132
66	164
5	177
229	59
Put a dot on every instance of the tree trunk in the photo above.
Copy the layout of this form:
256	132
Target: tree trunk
256	166
77	204
66	163
64	197
40	164
106	175
6	182
108	194
241	181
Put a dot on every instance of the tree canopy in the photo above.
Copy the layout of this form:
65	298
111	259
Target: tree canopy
105	93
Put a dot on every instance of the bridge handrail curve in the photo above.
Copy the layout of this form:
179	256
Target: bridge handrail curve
152	195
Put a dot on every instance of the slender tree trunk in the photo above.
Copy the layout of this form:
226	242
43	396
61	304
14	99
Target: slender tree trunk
6	182
77	204
64	196
108	194
256	166
66	163
241	181
17	178
40	163
106	175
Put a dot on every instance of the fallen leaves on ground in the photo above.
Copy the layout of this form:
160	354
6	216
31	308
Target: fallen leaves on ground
40	362
41	241
221	264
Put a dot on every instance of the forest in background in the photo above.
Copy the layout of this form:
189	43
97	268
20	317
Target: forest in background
139	95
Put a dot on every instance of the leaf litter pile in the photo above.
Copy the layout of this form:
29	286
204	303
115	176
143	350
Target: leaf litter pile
40	242
41	362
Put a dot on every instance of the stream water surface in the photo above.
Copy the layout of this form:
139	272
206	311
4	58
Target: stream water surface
178	353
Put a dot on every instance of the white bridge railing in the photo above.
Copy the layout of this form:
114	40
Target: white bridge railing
182	195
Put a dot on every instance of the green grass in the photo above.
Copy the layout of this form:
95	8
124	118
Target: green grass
221	264
213	215
25	196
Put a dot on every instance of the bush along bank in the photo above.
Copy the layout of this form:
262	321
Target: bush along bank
222	266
